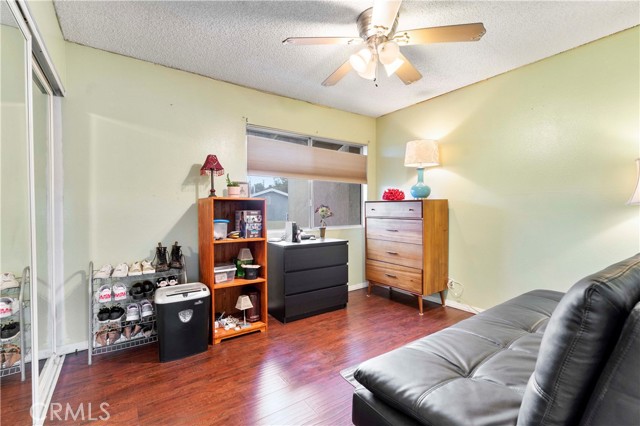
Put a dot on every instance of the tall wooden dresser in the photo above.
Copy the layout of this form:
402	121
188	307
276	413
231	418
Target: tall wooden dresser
407	246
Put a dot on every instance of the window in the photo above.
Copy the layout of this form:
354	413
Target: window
295	174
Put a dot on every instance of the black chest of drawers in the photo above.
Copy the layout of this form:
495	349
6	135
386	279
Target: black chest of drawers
307	278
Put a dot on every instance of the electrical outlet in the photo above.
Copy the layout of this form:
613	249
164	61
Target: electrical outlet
455	289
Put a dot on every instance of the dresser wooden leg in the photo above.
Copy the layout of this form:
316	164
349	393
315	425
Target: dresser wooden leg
369	290
442	298
420	304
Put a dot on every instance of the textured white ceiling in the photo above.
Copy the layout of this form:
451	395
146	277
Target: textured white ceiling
241	41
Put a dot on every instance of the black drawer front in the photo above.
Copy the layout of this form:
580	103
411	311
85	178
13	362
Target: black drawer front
315	279
300	304
298	259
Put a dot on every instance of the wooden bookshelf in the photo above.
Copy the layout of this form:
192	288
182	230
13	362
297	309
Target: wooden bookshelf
214	252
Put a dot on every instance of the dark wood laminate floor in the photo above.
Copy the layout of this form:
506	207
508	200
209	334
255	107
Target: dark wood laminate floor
288	376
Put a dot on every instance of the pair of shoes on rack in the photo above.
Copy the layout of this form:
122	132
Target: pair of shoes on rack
162	264
8	281
8	307
142	289
113	314
133	329
9	355
136	311
119	291
165	281
108	335
140	268
9	331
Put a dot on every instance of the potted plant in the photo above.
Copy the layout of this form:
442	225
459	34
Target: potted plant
324	212
233	188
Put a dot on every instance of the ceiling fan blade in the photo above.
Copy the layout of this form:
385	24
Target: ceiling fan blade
407	72
338	74
449	33
384	14
322	40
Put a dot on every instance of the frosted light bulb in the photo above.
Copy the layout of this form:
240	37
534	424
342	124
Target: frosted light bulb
388	52
370	72
359	61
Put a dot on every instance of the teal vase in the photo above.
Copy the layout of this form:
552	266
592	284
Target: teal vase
420	190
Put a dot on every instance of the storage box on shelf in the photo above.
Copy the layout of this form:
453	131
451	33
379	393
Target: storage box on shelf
219	252
147	326
21	296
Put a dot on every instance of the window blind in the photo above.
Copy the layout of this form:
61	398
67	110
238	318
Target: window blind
267	157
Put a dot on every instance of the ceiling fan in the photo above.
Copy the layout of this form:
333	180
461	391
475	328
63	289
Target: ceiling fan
377	29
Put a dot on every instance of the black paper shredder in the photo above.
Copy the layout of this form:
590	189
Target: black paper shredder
183	314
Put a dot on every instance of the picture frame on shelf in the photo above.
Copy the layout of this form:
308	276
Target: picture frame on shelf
244	189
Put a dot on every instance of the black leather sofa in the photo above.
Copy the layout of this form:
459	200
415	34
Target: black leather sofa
542	358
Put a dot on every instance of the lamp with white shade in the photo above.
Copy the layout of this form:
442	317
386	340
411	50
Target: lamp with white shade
421	154
244	303
635	198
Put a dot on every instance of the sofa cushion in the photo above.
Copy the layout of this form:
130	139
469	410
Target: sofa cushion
474	372
579	339
616	398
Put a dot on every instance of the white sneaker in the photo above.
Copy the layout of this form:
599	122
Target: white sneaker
133	312
147	268
104	294
121	271
135	270
6	307
119	291
146	308
104	272
7	281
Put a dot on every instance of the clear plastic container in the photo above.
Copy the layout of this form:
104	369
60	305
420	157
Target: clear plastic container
220	228
224	273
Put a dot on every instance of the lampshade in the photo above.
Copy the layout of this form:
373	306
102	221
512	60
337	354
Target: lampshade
244	302
388	52
211	164
370	71
421	153
635	198
359	61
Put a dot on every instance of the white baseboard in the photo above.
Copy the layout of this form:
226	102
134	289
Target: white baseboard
353	287
73	347
456	305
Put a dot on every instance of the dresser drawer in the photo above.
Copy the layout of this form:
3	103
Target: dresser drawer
395	276
315	279
300	305
312	257
404	209
393	252
403	231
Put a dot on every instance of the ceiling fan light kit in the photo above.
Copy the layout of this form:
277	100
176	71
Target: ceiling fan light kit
377	29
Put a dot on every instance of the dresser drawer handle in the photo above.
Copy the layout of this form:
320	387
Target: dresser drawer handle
391	276
392	252
392	230
411	210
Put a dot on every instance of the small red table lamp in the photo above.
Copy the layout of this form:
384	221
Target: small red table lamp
212	167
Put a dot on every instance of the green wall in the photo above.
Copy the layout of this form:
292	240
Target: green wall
135	135
537	165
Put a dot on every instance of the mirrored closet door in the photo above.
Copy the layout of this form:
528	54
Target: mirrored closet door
15	227
30	364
